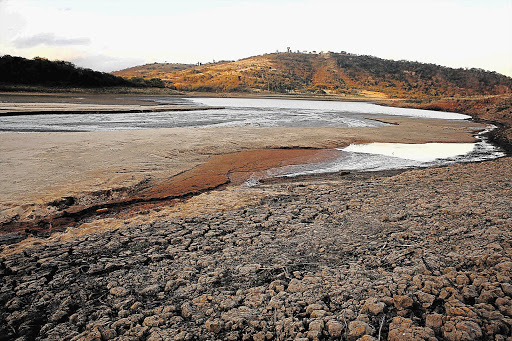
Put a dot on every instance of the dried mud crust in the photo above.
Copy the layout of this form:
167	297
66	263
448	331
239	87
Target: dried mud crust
421	255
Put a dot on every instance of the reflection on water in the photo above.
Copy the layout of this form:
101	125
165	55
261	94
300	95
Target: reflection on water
237	112
364	108
387	156
263	112
426	152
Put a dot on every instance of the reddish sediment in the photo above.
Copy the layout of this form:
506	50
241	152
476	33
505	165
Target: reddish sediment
232	168
218	171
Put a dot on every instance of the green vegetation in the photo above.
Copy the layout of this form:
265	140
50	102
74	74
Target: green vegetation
43	72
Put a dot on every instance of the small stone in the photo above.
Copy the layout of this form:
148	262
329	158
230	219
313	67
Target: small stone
296	285
356	329
334	328
367	338
186	310
461	330
249	269
434	321
401	329
316	325
312	307
425	299
373	306
150	290
153	321
260	336
232	336
315	329
403	302
136	306
277	286
318	313
118	291
507	288
214	326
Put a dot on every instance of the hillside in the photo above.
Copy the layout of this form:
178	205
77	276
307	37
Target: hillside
43	72
155	70
327	73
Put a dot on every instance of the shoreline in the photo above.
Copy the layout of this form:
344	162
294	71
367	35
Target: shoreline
95	169
425	253
90	171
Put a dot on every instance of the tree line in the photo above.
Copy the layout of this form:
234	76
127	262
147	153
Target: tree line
41	71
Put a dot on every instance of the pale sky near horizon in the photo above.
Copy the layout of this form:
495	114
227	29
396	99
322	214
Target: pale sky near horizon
110	35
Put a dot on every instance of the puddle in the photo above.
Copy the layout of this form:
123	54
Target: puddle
427	152
389	156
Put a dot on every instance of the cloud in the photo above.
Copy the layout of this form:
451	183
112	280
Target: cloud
48	39
106	63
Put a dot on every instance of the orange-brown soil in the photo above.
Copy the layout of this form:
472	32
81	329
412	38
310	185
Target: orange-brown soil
232	168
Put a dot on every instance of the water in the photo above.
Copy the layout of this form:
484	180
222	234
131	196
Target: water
387	156
238	112
262	112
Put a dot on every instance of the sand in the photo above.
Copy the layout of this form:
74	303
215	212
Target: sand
424	253
38	168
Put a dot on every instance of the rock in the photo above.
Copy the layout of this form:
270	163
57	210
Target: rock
249	269
118	291
312	307
214	326
425	299
186	310
505	266
318	313
259	336
357	329
334	328
277	286
367	338
153	321
373	306
150	290
315	329
401	329
296	285
507	288
459	329
403	302
232	336
434	321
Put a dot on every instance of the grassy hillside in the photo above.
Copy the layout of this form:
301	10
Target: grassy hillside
328	73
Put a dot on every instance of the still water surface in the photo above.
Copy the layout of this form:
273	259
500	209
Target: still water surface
238	112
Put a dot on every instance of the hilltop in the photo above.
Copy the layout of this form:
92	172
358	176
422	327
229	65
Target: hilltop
341	74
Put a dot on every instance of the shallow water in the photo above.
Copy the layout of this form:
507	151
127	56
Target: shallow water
325	109
237	112
261	112
387	156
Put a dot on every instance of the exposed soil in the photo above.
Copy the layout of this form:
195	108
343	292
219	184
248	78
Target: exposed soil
421	255
400	255
234	168
49	180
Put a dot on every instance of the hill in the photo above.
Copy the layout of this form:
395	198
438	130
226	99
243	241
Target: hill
342	74
154	70
41	71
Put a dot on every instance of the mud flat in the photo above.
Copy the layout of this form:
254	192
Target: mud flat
48	174
421	254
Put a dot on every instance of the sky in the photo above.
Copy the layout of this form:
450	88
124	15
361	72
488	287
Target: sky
110	35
